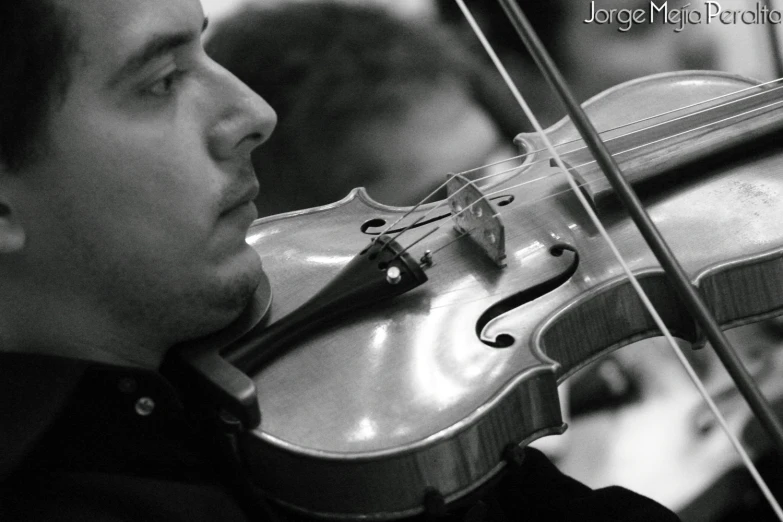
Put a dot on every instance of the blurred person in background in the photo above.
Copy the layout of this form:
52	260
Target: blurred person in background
365	99
592	57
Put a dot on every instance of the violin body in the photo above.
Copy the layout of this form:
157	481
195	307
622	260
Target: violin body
420	399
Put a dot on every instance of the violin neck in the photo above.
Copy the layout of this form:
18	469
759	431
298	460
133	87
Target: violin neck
692	143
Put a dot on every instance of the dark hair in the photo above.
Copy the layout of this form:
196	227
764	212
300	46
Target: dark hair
327	68
35	44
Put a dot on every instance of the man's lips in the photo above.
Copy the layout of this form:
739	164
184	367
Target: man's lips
244	196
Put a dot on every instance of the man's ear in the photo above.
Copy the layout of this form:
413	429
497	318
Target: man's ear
12	234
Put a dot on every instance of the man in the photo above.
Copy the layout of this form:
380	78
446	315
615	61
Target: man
136	183
126	191
125	194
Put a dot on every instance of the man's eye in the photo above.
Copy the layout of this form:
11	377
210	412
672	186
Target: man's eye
165	85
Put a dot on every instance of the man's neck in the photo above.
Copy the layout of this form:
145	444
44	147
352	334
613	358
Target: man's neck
75	333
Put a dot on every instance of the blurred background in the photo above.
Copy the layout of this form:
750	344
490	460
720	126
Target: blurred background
739	48
635	419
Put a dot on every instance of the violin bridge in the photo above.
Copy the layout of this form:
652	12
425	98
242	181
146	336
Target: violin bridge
475	216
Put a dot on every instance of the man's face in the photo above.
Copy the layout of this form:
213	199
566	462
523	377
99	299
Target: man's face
136	211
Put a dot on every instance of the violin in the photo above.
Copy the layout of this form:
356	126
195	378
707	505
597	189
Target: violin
407	354
374	406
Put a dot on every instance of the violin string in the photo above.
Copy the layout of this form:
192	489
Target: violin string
614	138
656	116
550	175
518	168
596	179
408	213
454	240
428	213
625	151
422	238
758	87
631	278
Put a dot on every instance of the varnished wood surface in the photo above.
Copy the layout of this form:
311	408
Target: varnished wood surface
405	396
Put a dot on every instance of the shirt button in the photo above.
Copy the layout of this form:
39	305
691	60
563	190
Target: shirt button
144	406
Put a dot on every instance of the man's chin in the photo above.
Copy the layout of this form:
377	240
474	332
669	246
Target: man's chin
241	306
226	297
241	286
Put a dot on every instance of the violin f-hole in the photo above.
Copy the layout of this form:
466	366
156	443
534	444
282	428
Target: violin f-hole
504	340
374	226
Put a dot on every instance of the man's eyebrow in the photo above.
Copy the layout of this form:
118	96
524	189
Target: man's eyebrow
156	46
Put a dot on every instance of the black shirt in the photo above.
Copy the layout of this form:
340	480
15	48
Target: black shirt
85	441
89	441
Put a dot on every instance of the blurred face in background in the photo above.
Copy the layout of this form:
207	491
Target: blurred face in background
411	153
598	56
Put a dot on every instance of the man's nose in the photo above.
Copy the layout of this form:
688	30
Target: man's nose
244	123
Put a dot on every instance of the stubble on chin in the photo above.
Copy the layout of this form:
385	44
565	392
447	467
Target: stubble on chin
215	308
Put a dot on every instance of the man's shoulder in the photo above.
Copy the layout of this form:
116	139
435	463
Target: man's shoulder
92	441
